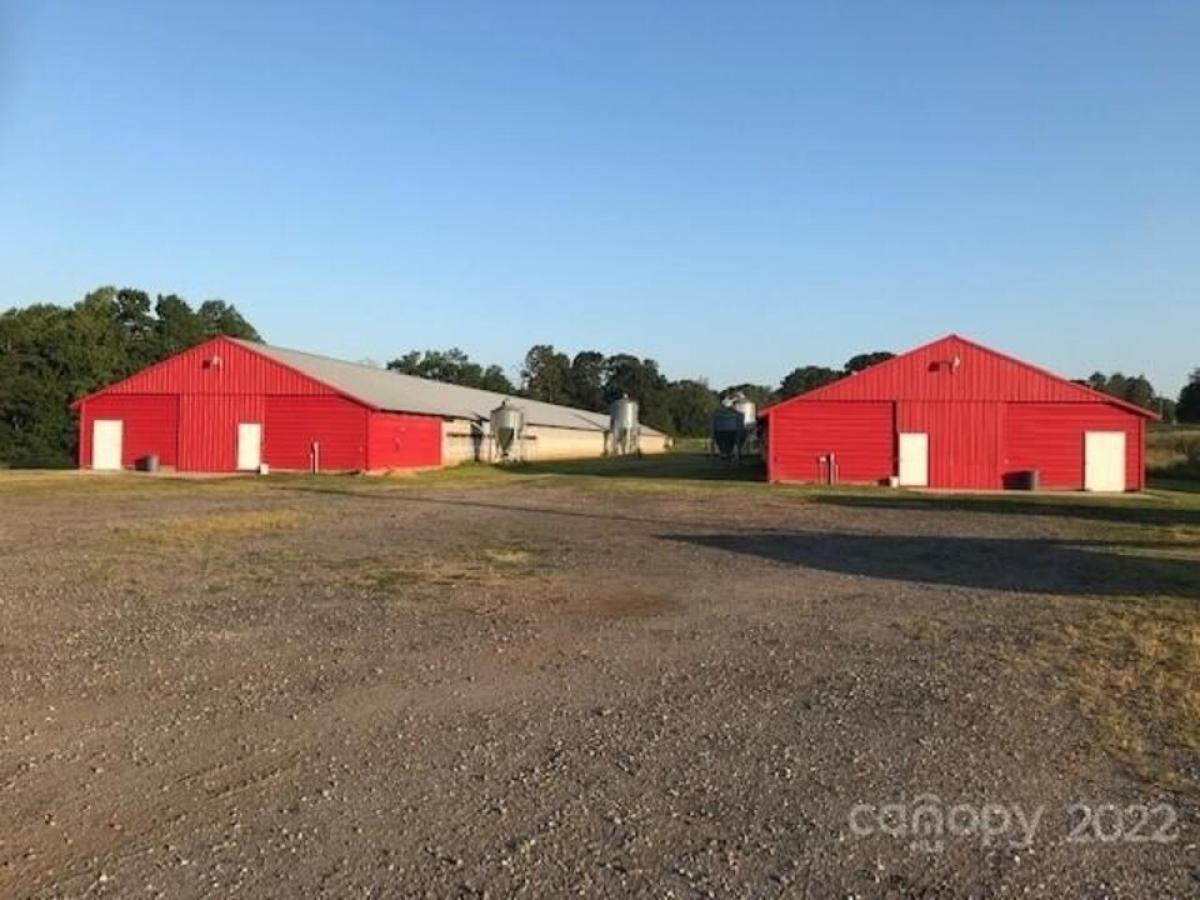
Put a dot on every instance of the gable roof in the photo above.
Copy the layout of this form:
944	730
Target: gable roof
396	392
980	373
374	387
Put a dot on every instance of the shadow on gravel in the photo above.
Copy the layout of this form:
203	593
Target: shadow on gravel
679	466
1129	511
999	564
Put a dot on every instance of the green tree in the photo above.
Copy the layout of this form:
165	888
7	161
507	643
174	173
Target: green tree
691	404
1140	392
1187	409
218	317
864	360
38	367
408	364
51	355
1165	407
1136	389
806	378
177	327
452	366
546	375
587	380
98	346
494	379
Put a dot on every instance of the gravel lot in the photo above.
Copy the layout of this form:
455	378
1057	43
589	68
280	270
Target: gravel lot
546	688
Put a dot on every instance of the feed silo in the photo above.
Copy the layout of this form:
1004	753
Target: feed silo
624	427
508	433
735	427
727	427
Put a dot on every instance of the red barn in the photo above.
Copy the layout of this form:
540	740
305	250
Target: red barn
229	405
955	414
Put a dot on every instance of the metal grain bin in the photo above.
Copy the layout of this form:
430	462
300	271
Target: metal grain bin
623	418
508	430
728	426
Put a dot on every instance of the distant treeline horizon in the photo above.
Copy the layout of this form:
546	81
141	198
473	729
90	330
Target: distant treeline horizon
592	380
51	355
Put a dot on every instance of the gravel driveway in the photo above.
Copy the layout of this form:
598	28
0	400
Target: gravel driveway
276	688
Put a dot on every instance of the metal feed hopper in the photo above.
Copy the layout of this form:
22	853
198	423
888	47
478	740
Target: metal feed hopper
735	428
508	433
623	435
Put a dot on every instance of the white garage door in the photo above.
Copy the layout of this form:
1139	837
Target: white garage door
106	444
249	446
914	459
1104	461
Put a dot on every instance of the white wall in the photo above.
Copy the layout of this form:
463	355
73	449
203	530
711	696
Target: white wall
464	440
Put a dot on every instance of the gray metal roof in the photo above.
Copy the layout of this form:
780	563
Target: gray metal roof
395	392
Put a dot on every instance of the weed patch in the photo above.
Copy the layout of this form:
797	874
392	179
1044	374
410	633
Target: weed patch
506	556
212	526
1133	668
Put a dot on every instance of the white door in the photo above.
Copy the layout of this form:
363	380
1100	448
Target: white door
914	459
1104	460
249	448
106	444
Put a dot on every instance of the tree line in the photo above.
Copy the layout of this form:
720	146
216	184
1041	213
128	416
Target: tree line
1138	390
51	355
593	380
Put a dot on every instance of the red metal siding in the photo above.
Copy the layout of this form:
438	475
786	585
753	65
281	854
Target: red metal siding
188	407
1049	437
860	435
988	417
964	440
150	425
399	441
205	392
208	427
928	373
239	371
1140	449
294	423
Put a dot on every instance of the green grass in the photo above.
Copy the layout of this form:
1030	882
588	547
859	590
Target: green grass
507	556
75	483
676	466
1168	484
423	577
1173	453
1132	667
221	525
682	471
675	472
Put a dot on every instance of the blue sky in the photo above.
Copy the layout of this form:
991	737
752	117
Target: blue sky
732	189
